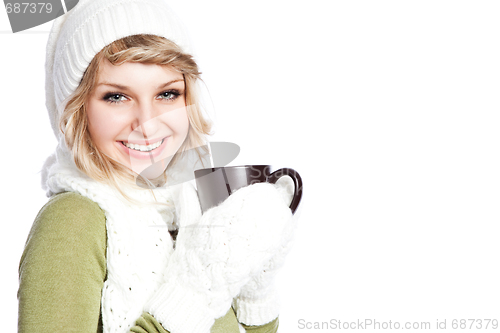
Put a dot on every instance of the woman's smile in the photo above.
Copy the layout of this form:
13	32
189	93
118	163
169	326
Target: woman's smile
141	151
150	147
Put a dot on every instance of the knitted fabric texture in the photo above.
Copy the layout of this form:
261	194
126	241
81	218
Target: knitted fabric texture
258	302
219	253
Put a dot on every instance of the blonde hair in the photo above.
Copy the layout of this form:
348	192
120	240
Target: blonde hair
147	49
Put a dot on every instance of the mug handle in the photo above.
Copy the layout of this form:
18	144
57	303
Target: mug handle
297	181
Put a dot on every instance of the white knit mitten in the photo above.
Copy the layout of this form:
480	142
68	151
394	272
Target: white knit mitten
258	302
217	255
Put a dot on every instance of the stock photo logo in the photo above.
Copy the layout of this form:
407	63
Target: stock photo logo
217	154
24	15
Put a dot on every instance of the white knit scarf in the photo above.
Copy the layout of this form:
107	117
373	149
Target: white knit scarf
138	240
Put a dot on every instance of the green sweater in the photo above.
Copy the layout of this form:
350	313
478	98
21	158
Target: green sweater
63	269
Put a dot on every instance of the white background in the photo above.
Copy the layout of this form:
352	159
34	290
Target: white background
388	109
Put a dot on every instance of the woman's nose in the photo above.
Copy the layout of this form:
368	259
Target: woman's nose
146	120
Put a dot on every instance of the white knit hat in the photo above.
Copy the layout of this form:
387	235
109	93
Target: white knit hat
79	35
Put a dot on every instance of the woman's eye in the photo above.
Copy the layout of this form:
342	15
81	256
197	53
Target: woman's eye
114	98
169	95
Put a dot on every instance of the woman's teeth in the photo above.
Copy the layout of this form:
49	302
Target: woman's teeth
141	147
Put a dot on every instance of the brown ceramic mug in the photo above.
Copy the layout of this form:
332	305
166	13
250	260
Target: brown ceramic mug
214	185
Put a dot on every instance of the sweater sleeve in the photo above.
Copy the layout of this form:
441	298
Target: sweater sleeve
63	267
148	324
271	327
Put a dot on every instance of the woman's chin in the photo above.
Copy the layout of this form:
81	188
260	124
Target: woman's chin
152	171
151	174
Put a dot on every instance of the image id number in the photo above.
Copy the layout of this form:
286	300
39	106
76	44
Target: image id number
474	324
28	7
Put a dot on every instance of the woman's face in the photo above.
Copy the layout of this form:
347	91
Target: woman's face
137	115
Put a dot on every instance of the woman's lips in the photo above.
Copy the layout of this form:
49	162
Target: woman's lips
144	155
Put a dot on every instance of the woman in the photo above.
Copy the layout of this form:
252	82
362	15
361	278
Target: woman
121	96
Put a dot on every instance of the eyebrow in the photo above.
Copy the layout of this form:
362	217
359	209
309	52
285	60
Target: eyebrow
122	87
